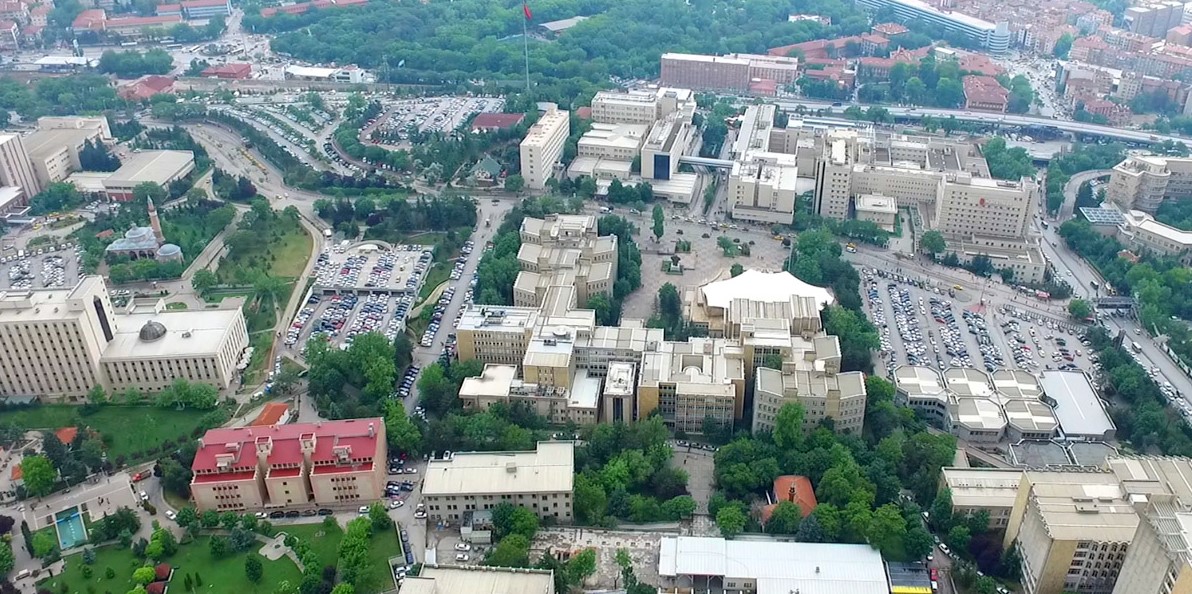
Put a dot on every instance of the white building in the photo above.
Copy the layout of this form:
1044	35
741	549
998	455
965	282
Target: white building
1143	182
540	481
576	403
542	148
993	37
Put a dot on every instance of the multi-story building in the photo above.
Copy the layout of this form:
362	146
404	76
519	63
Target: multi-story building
633	107
59	343
576	403
540	481
304	464
812	378
16	170
993	37
54	152
1143	233
542	148
783	70
762	185
703	378
564	250
991	490
447	579
977	406
705	73
1154	18
205	9
1159	560
1143	182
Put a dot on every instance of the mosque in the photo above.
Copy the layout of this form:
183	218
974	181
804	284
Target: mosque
146	242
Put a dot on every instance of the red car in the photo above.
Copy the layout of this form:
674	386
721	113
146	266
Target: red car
935	575
140	476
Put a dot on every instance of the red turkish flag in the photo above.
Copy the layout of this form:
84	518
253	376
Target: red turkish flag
526	9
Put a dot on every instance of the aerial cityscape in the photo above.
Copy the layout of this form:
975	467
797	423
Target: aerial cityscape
611	296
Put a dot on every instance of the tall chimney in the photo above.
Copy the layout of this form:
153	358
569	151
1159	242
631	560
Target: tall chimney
790	494
372	431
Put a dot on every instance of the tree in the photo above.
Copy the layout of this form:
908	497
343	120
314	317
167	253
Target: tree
7	558
253	569
1079	309
203	279
344	589
731	520
1062	46
510	519
39	475
772	361
379	517
219	547
788	426
659	218
515	183
887	528
581	566
959	537
736	270
932	242
143	575
785	518
511	551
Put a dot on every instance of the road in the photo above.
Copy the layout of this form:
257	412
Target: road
1072	187
998	118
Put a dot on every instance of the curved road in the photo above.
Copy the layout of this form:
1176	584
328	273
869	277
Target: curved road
1072	187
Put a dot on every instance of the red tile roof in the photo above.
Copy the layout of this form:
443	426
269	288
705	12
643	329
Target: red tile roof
271	414
146	87
17	473
584	113
156	588
794	488
229	71
493	121
168	8
890	29
67	435
237	446
92	18
162	572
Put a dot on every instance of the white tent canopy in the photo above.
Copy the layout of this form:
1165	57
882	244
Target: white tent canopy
770	287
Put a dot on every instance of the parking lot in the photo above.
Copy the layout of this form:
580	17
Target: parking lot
923	325
367	267
40	268
428	115
344	316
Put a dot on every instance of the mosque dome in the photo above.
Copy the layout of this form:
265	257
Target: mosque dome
152	331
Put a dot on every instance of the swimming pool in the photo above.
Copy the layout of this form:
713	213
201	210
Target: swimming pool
71	531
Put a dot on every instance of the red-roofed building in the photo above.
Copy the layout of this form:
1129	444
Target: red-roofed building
889	29
14	10
67	435
763	87
272	414
17	475
305	6
9	33
231	71
157	588
872	68
488	122
32	32
584	113
795	489
145	87
985	93
133	27
40	16
92	19
162	572
866	44
980	64
332	462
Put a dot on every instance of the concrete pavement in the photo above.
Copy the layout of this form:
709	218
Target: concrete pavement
1072	187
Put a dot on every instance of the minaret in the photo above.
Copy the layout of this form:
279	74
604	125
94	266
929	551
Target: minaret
155	223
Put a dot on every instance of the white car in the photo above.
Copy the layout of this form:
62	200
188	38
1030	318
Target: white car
420	515
144	496
396	504
261	515
462	557
364	510
463	546
170	514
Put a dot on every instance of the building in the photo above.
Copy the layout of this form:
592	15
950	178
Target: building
135	27
811	376
160	168
705	73
1153	18
762	184
977	406
54	152
985	93
632	107
447	579
730	307
350	74
1142	232
16	169
794	489
991	490
540	481
560	26
542	148
1142	182
62	342
564	250
1080	412
228	71
1159	560
491	122
995	38
691	563
499	383
879	210
199	346
302	464
693	382
146	87
205	9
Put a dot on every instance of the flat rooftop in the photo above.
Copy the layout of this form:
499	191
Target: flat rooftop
1077	407
150	166
549	469
497	318
1083	506
982	487
807	568
916	380
197	332
1014	383
1039	454
967	382
477	579
43	143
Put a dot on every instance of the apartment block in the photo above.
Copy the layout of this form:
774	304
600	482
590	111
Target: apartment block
705	73
542	148
633	107
564	250
1143	182
812	378
1154	19
324	463
540	480
16	170
1143	233
59	343
577	403
691	381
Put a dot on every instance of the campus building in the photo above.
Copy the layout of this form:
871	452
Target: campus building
1142	232
324	463
762	185
812	378
980	407
58	343
540	481
1143	182
690	382
993	37
542	148
564	250
561	405
450	579
160	168
705	73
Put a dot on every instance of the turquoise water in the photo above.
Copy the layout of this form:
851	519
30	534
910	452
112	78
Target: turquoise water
71	531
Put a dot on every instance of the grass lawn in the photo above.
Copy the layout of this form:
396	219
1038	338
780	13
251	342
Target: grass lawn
177	305
439	272
326	545
222	575
150	425
262	343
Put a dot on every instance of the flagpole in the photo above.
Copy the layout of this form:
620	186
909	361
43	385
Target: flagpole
526	46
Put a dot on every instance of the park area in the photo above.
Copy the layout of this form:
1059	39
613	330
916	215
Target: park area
133	433
225	574
325	543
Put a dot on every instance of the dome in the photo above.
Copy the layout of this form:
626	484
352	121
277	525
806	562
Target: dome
152	331
168	250
138	233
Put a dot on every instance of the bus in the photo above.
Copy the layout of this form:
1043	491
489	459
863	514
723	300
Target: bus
1094	285
1134	346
